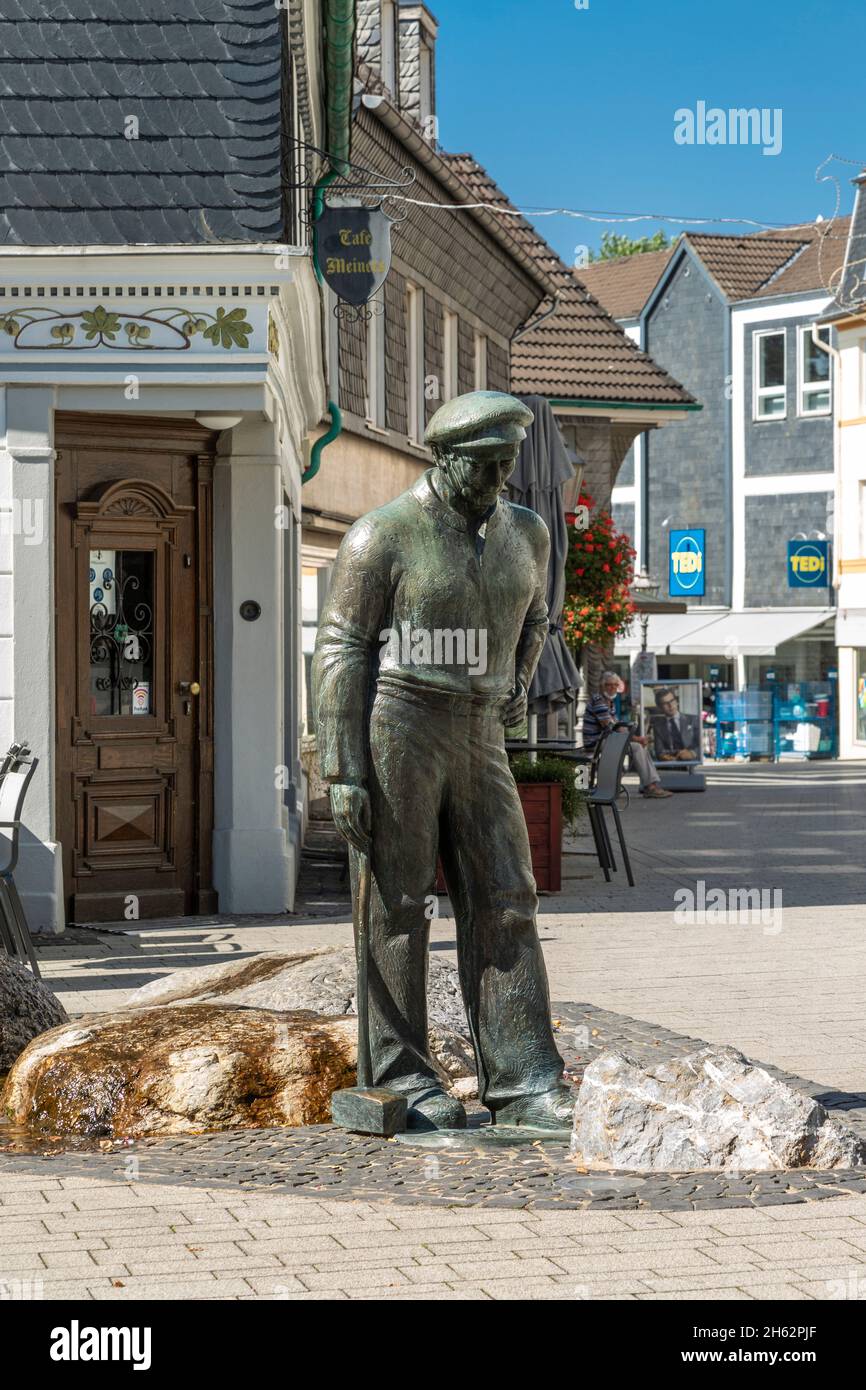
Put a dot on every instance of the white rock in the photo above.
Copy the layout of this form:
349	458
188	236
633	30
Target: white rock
709	1109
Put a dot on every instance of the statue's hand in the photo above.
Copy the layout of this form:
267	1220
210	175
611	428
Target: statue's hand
515	711
350	807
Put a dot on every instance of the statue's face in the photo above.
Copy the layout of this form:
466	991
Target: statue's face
478	480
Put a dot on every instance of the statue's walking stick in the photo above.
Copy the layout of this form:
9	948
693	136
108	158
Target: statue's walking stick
362	961
366	1108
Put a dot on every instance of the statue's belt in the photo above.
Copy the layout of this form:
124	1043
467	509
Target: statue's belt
432	698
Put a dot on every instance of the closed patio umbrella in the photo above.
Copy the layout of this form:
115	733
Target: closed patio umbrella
543	467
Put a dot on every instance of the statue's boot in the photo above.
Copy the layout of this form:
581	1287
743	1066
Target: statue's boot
549	1110
435	1109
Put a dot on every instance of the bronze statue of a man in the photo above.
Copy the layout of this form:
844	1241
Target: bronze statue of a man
433	627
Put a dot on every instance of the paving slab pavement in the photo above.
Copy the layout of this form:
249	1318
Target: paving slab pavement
788	989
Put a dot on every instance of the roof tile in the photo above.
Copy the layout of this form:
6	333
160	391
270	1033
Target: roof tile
579	352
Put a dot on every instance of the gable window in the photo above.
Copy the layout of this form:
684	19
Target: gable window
480	362
769	353
450	336
415	308
813	386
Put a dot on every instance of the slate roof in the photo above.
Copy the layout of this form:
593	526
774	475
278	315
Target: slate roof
579	352
624	285
203	79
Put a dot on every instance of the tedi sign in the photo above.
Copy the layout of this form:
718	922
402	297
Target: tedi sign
808	564
77	1343
687	574
353	249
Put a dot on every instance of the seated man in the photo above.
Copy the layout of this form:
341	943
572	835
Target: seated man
599	716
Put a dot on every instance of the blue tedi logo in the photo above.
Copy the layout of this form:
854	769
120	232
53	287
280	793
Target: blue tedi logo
687	563
808	564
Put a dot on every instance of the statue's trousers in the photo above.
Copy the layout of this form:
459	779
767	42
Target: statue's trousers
439	781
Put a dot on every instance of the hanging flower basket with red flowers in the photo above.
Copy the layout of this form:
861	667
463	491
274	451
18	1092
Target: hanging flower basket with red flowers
598	574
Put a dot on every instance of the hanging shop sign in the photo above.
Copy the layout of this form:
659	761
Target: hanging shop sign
353	249
686	570
808	564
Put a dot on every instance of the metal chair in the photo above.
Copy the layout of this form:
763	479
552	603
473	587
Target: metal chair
16	772
605	792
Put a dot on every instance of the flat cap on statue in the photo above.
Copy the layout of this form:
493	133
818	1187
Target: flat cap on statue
479	420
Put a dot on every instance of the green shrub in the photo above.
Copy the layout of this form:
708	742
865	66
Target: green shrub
549	768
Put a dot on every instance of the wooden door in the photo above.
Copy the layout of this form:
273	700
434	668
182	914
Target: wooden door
134	642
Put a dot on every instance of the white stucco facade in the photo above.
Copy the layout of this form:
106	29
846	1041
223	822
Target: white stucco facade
263	387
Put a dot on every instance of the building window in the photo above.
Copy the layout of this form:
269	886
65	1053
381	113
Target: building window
769	376
450	339
480	362
416	362
813	387
861	695
376	367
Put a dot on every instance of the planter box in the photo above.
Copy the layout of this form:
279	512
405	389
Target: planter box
542	809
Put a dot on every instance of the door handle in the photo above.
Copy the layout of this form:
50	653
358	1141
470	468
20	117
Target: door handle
189	687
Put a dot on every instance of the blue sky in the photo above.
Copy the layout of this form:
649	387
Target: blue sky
576	108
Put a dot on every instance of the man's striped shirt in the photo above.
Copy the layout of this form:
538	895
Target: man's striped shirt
597	717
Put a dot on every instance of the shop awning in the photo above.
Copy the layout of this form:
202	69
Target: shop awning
739	632
666	631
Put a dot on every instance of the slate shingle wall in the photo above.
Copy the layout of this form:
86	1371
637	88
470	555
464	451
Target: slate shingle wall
688	467
451	251
434	362
396	358
498	371
203	80
353	365
770	523
465	358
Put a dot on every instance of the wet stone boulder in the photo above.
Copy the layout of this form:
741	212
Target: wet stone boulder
710	1109
27	1008
180	1071
323	980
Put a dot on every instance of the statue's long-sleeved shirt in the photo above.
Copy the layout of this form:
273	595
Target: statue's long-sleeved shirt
419	597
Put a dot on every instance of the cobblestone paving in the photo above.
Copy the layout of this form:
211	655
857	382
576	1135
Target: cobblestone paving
324	1162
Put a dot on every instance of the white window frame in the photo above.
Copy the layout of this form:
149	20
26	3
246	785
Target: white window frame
480	361
388	44
806	388
759	392
415	333
376	370
450	355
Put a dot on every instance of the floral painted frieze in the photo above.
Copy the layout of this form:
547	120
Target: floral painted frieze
163	329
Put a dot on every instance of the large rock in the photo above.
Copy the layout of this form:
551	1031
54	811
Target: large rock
27	1008
710	1109
322	980
181	1070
